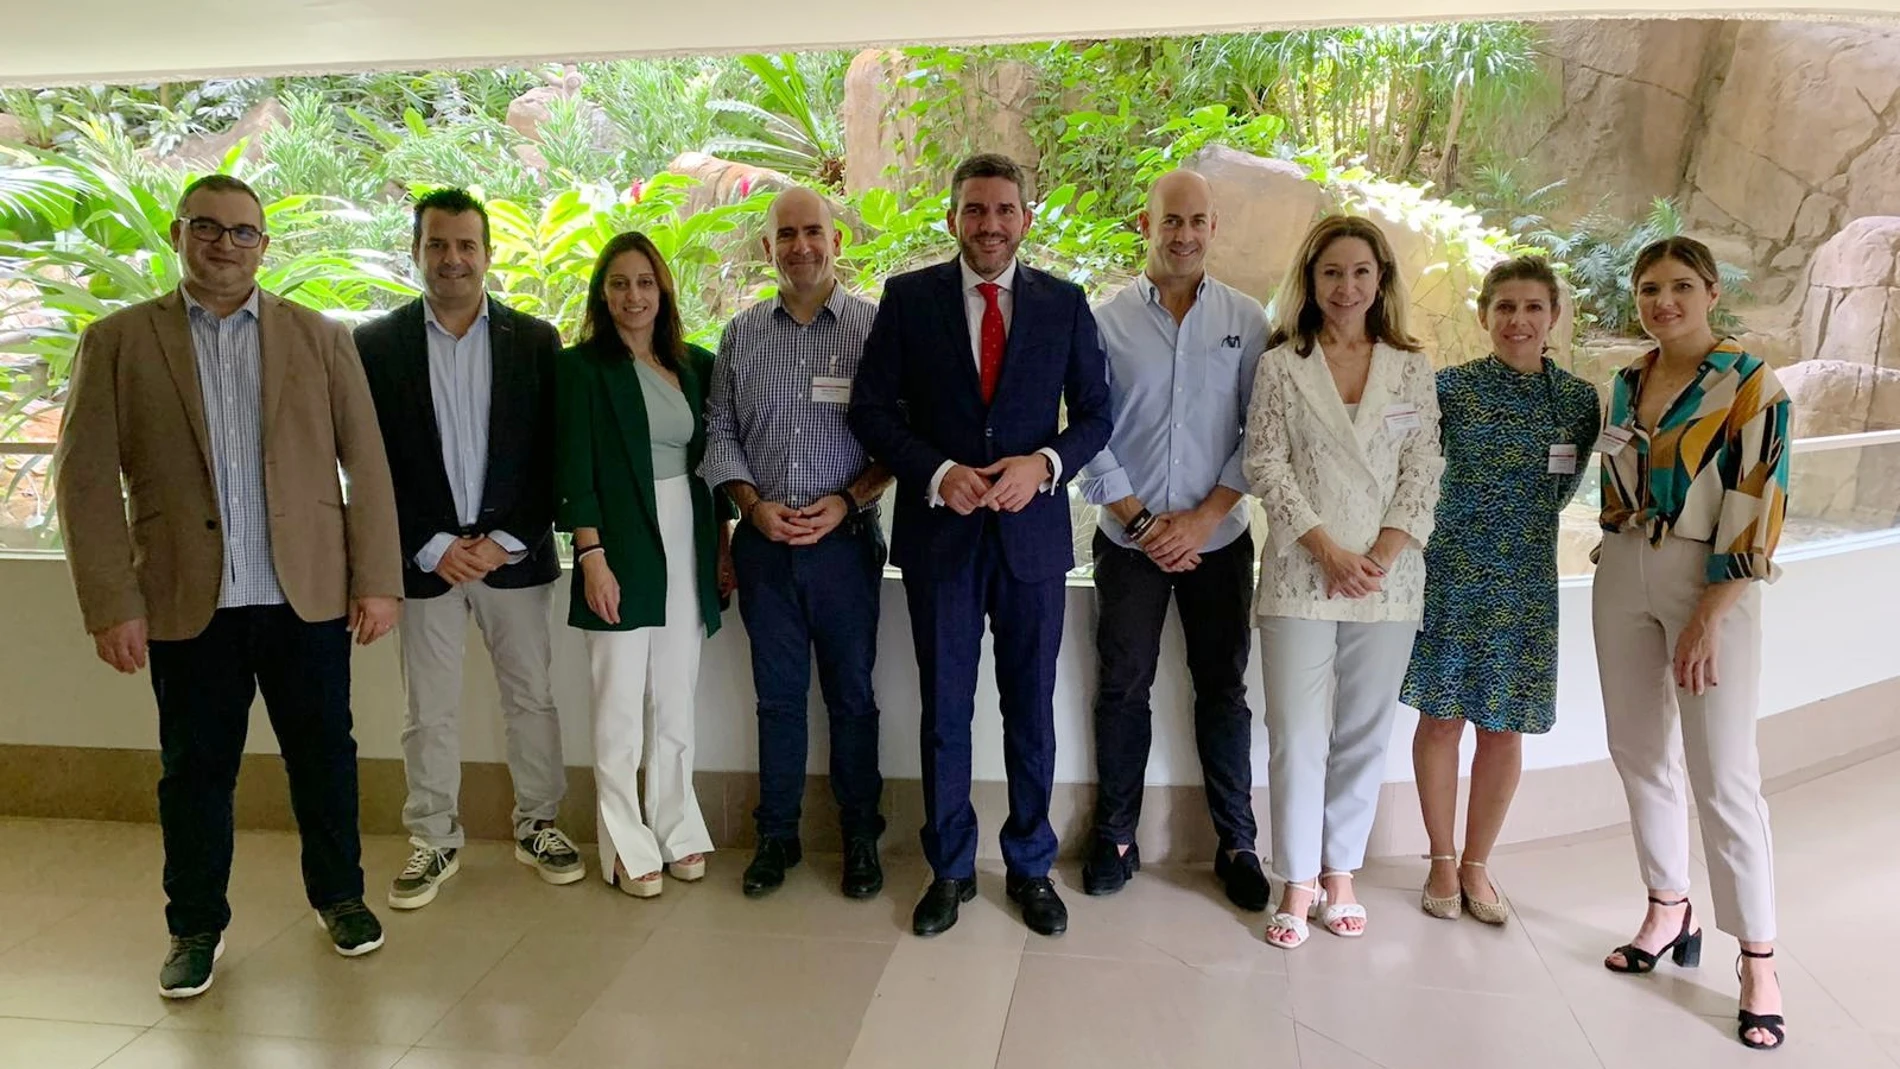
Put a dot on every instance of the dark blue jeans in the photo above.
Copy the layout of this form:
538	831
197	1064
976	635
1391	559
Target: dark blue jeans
796	600
205	686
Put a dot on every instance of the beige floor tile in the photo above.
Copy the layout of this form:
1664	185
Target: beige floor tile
1421	1028
1687	1041
162	1049
24	916
495	893
298	986
531	999
1890	1042
50	857
59	1044
100	963
1165	914
695	999
1324	1052
1144	1014
939	1005
423	1058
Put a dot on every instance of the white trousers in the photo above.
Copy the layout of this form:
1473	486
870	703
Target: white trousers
644	686
1642	599
1332	691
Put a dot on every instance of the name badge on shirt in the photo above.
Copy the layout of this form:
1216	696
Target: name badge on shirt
1402	418
1563	459
1612	440
830	390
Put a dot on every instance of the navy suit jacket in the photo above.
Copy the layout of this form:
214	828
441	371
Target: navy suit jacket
916	402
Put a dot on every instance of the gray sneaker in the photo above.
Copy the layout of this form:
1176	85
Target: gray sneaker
187	970
552	854
415	887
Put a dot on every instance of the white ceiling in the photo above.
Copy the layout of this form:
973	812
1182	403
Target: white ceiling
48	42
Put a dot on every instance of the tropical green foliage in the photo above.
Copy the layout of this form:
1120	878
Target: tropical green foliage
1601	252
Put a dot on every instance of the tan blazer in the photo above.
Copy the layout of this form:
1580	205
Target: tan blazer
1312	463
135	410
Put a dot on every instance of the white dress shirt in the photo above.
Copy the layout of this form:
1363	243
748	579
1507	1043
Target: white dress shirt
461	379
974	305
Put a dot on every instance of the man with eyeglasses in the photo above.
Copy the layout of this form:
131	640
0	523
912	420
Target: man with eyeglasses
464	388
227	412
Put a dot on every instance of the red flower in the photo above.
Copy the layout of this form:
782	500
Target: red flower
636	189
745	186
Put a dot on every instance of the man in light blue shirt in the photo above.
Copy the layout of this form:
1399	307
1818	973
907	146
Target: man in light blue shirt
1182	349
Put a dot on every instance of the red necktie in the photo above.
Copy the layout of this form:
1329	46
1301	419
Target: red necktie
990	340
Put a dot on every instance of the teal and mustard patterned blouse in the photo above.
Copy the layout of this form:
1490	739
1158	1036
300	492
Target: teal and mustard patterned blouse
1714	470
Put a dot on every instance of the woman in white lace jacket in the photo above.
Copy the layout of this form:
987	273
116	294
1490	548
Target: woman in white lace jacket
1342	450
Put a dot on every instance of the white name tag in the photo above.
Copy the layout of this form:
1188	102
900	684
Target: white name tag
1563	459
1402	418
830	390
1612	440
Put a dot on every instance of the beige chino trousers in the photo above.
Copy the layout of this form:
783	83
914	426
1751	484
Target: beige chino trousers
1642	599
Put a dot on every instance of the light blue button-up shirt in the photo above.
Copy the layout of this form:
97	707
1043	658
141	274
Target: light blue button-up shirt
1179	394
231	380
461	383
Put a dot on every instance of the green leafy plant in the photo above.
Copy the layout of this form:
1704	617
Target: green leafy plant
1600	252
792	126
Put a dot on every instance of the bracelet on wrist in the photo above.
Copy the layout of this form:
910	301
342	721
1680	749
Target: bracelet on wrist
585	552
1139	527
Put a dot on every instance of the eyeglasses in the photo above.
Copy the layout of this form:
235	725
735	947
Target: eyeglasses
210	231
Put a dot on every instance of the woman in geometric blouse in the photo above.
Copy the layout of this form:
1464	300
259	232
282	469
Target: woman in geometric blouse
1515	427
1695	484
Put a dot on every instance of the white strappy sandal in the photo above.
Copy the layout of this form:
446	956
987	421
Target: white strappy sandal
1292	922
1331	916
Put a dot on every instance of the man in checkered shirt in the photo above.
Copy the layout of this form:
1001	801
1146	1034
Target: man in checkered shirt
809	550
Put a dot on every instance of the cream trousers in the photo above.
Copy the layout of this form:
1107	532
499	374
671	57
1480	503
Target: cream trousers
1643	598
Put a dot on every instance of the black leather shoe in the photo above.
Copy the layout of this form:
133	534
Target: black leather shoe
1043	910
766	873
1246	885
863	876
1108	869
936	912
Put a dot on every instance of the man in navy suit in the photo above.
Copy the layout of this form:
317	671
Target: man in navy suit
961	393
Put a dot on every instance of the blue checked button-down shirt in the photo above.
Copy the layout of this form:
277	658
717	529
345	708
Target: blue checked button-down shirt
762	424
461	385
230	378
1179	395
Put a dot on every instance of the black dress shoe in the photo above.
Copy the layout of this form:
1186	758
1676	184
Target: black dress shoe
767	871
1043	910
936	912
1246	885
863	876
1109	869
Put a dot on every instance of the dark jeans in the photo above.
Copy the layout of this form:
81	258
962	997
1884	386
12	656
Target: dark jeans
1132	594
205	686
947	611
794	600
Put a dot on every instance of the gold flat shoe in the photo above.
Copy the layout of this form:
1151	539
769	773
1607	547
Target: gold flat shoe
1492	913
1445	909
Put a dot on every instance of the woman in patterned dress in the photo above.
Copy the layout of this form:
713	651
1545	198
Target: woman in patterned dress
1516	432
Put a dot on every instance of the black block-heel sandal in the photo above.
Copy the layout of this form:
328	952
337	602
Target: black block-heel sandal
1685	948
1771	1023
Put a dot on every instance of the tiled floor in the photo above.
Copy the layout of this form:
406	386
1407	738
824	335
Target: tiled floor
503	972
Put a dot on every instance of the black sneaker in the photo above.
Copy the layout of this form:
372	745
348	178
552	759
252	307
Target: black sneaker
415	886
187	970
552	854
1109	868
353	929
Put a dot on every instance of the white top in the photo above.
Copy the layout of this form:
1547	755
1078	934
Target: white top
1315	461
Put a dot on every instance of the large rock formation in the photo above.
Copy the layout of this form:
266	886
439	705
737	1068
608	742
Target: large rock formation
11	128
1851	311
1856	489
1618	131
989	112
1265	207
209	150
723	181
533	109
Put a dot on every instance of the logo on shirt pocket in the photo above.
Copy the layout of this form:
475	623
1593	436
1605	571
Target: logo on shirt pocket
1231	341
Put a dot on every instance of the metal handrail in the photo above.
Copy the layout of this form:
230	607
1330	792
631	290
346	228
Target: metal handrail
1829	443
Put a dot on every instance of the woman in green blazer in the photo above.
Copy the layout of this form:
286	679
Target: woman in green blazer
651	560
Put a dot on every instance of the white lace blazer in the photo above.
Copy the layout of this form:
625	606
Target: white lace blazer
1313	464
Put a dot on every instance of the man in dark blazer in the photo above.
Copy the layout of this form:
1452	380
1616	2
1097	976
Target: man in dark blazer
961	393
464	391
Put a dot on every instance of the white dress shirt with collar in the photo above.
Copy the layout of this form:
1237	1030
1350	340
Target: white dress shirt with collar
973	308
461	383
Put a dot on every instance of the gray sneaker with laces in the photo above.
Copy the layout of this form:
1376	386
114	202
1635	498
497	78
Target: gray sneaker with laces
551	854
416	885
